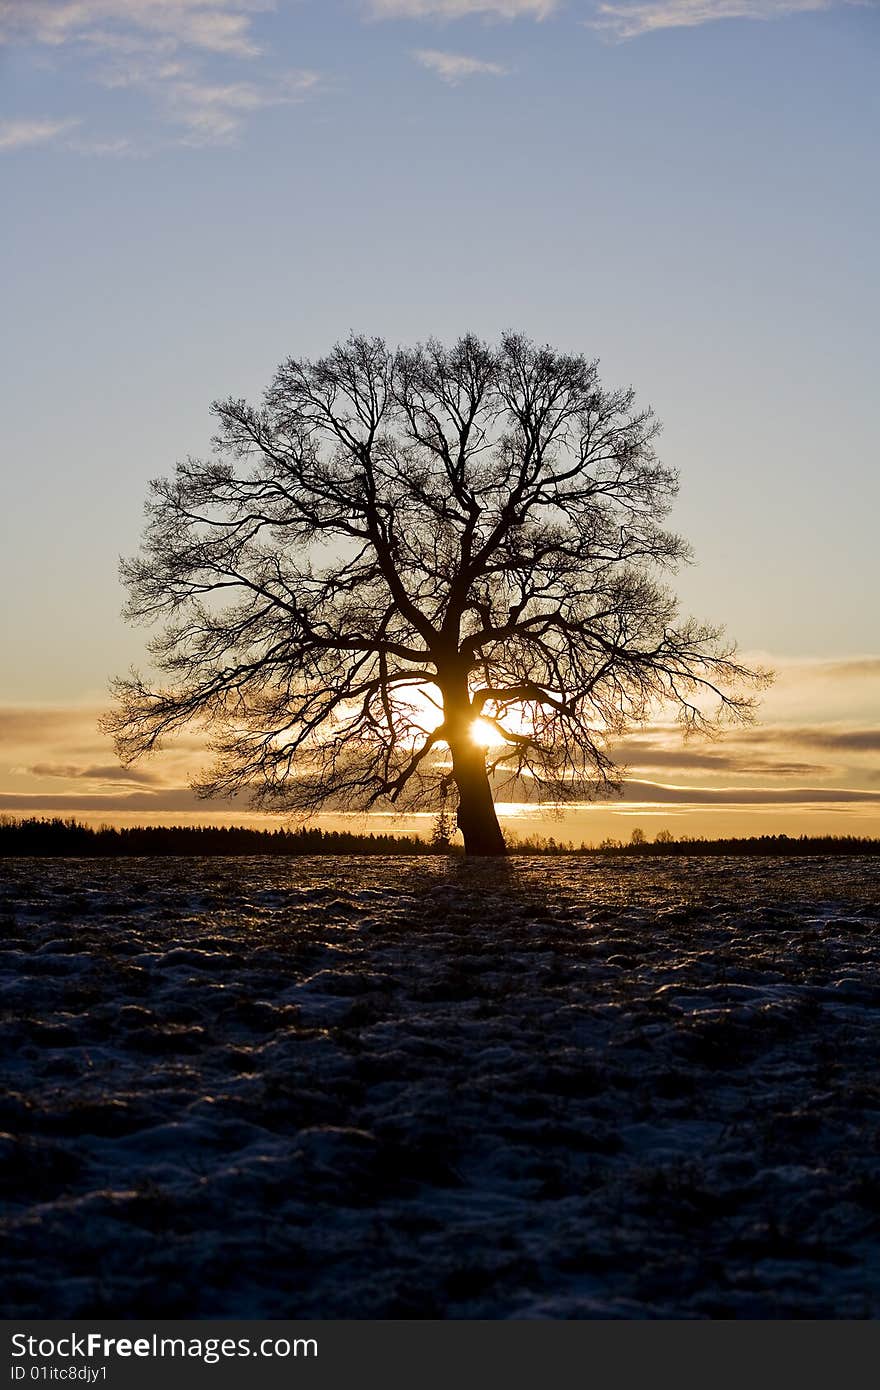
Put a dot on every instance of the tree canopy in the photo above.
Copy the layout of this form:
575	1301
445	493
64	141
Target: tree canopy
416	572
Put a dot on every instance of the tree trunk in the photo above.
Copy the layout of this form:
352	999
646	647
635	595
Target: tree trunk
476	815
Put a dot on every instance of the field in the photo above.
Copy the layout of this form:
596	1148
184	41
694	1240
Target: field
425	1088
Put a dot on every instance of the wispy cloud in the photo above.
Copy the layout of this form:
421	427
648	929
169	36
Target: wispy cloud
643	754
20	134
215	112
658	792
39	724
209	112
218	26
71	803
836	739
455	67
91	772
635	793
461	9
855	668
177	52
65	744
628	19
122	146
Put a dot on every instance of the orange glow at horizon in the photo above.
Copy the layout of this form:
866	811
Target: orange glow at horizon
809	765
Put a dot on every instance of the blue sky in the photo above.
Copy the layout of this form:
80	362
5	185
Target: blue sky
685	188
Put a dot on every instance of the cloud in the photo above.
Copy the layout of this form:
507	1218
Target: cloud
101	147
176	800
214	113
858	668
762	749
21	134
629	19
656	792
217	26
68	803
38	724
821	736
66	743
102	772
622	19
461	9
742	762
455	67
865	666
177	52
73	728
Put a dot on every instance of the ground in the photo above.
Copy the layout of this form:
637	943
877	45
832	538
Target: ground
567	1088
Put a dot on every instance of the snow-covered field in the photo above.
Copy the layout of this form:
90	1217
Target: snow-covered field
424	1088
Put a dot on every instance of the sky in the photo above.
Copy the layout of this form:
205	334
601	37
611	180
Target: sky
194	190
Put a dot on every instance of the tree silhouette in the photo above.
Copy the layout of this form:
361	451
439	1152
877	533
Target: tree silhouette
398	544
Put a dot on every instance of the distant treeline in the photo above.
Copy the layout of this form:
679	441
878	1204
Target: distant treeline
753	844
70	837
665	843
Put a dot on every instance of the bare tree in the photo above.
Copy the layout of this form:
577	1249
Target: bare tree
413	571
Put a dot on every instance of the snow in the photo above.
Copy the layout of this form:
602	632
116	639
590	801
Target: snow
563	1088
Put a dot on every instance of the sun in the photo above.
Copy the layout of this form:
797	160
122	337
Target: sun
485	734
